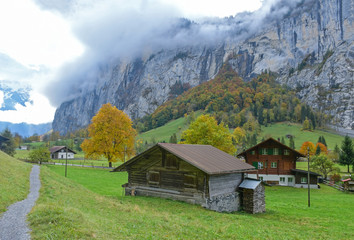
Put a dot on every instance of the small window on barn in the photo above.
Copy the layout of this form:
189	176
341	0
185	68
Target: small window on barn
282	179
253	152
304	180
273	165
171	162
154	177
190	180
286	152
290	179
276	151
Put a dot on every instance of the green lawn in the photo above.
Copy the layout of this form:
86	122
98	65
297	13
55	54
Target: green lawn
14	180
164	132
279	130
87	206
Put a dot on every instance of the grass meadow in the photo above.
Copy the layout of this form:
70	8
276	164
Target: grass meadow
14	180
280	130
89	205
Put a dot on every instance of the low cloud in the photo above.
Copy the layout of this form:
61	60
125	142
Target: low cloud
113	30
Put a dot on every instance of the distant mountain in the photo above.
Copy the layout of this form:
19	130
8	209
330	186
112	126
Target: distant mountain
25	129
309	44
12	96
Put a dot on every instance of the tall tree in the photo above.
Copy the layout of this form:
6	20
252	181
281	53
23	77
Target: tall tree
292	142
9	145
111	135
323	165
346	156
205	130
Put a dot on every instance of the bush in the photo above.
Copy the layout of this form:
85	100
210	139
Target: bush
336	177
40	154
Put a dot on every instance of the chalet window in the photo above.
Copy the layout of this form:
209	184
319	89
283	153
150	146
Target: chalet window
253	152
276	151
264	151
260	165
304	180
190	180
286	152
282	179
154	177
290	179
273	165
171	162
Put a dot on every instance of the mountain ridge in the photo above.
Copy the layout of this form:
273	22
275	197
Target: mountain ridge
293	45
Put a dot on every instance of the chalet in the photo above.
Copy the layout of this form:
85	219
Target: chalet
198	174
276	164
59	152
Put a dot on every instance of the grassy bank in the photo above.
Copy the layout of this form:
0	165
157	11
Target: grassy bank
72	208
14	180
280	130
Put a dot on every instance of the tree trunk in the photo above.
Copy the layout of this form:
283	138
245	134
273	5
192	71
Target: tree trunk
348	167
110	164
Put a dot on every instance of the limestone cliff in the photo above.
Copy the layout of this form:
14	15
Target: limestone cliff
309	46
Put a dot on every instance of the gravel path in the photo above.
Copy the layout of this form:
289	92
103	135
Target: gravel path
13	225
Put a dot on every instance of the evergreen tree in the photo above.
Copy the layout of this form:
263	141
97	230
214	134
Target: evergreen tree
292	142
324	141
173	138
318	150
282	140
346	156
9	145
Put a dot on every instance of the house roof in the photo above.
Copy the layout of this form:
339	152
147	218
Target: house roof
249	183
55	149
273	140
304	171
204	157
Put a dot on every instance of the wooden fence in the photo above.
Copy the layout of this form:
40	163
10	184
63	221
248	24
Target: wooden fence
332	184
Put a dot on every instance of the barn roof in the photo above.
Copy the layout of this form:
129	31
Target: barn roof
271	140
204	157
55	149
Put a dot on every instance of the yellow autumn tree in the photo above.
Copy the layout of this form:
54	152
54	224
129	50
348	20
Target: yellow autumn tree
205	130
110	135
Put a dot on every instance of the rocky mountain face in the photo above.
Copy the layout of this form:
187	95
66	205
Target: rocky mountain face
310	47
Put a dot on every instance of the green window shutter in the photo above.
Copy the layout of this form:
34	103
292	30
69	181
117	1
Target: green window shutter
270	151
280	151
255	164
260	151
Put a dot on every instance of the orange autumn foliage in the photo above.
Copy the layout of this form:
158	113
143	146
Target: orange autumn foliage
322	147
110	135
306	145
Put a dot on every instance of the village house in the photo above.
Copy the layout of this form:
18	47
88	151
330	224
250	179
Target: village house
59	152
197	174
276	165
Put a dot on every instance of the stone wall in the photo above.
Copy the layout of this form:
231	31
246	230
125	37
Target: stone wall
229	202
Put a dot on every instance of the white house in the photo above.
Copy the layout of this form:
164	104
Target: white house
59	152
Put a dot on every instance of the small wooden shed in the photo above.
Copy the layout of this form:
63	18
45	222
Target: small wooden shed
253	197
198	174
348	184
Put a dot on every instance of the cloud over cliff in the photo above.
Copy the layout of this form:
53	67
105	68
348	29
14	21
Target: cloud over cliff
113	30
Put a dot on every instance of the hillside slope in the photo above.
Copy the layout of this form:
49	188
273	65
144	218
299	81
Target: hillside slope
308	43
14	180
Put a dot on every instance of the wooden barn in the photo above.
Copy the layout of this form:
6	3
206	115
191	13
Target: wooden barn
198	174
276	164
59	152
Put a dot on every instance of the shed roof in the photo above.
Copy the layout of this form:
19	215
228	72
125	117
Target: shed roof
249	183
55	149
204	157
273	140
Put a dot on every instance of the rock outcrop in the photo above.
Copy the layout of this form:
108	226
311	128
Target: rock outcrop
310	47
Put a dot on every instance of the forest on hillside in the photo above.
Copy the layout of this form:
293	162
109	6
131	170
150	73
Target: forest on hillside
237	103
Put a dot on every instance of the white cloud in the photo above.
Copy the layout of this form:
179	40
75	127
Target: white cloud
34	37
1	98
39	112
